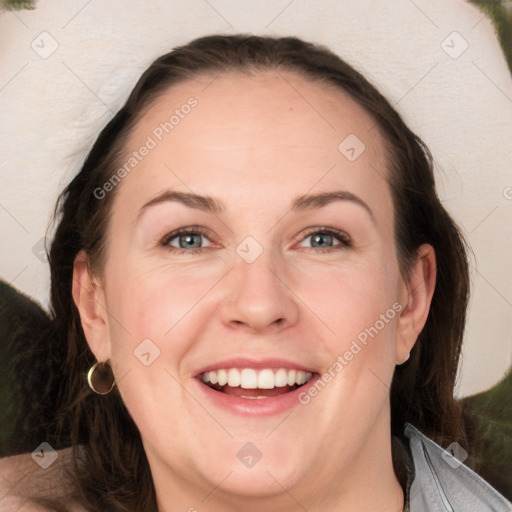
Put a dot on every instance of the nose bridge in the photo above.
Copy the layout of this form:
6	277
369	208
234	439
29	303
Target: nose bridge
260	275
258	297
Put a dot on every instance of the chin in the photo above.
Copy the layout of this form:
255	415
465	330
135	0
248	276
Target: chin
259	481
259	468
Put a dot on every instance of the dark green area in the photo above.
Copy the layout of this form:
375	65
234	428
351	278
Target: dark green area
489	429
500	13
16	5
30	374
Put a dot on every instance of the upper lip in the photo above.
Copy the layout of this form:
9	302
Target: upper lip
256	364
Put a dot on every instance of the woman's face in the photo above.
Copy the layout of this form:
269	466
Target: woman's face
288	262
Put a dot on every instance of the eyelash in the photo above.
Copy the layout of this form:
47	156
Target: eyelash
342	237
192	230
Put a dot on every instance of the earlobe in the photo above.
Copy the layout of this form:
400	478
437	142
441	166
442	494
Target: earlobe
416	299
89	298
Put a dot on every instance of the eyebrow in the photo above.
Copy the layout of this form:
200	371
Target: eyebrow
311	201
212	205
205	203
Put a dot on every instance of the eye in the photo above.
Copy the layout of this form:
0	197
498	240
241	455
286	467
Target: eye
323	240
183	240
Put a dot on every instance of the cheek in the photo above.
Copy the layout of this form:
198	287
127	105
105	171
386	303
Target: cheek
148	314
358	308
153	304
348	297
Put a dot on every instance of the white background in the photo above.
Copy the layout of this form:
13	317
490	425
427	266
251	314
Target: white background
53	106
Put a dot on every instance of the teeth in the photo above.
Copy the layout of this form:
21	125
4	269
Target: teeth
248	378
222	376
266	379
233	378
281	378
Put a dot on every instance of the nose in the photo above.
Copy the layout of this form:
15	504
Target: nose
257	296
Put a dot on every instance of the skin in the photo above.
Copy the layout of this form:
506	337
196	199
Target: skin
255	143
21	480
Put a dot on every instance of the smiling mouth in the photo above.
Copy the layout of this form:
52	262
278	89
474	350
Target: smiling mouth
255	384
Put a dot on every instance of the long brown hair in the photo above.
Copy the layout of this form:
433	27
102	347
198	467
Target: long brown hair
111	470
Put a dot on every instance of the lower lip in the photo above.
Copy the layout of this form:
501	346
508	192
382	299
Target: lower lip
256	407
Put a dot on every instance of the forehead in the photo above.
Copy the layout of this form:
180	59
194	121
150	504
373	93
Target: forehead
267	129
289	105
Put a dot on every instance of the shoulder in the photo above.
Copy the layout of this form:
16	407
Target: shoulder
27	478
440	478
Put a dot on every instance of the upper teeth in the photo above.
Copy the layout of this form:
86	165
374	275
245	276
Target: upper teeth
248	378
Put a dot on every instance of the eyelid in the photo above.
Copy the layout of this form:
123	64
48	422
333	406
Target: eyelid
196	230
343	237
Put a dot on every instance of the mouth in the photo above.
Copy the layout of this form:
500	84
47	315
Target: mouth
254	387
255	384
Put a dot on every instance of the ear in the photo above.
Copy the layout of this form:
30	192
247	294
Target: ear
415	297
89	298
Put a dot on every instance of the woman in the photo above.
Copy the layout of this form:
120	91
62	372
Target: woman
261	293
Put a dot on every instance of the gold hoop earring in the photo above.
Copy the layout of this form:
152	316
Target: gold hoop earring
101	378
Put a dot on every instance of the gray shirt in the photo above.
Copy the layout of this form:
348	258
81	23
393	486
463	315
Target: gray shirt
440	482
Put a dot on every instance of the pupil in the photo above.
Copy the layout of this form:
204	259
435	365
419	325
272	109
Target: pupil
322	240
187	241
